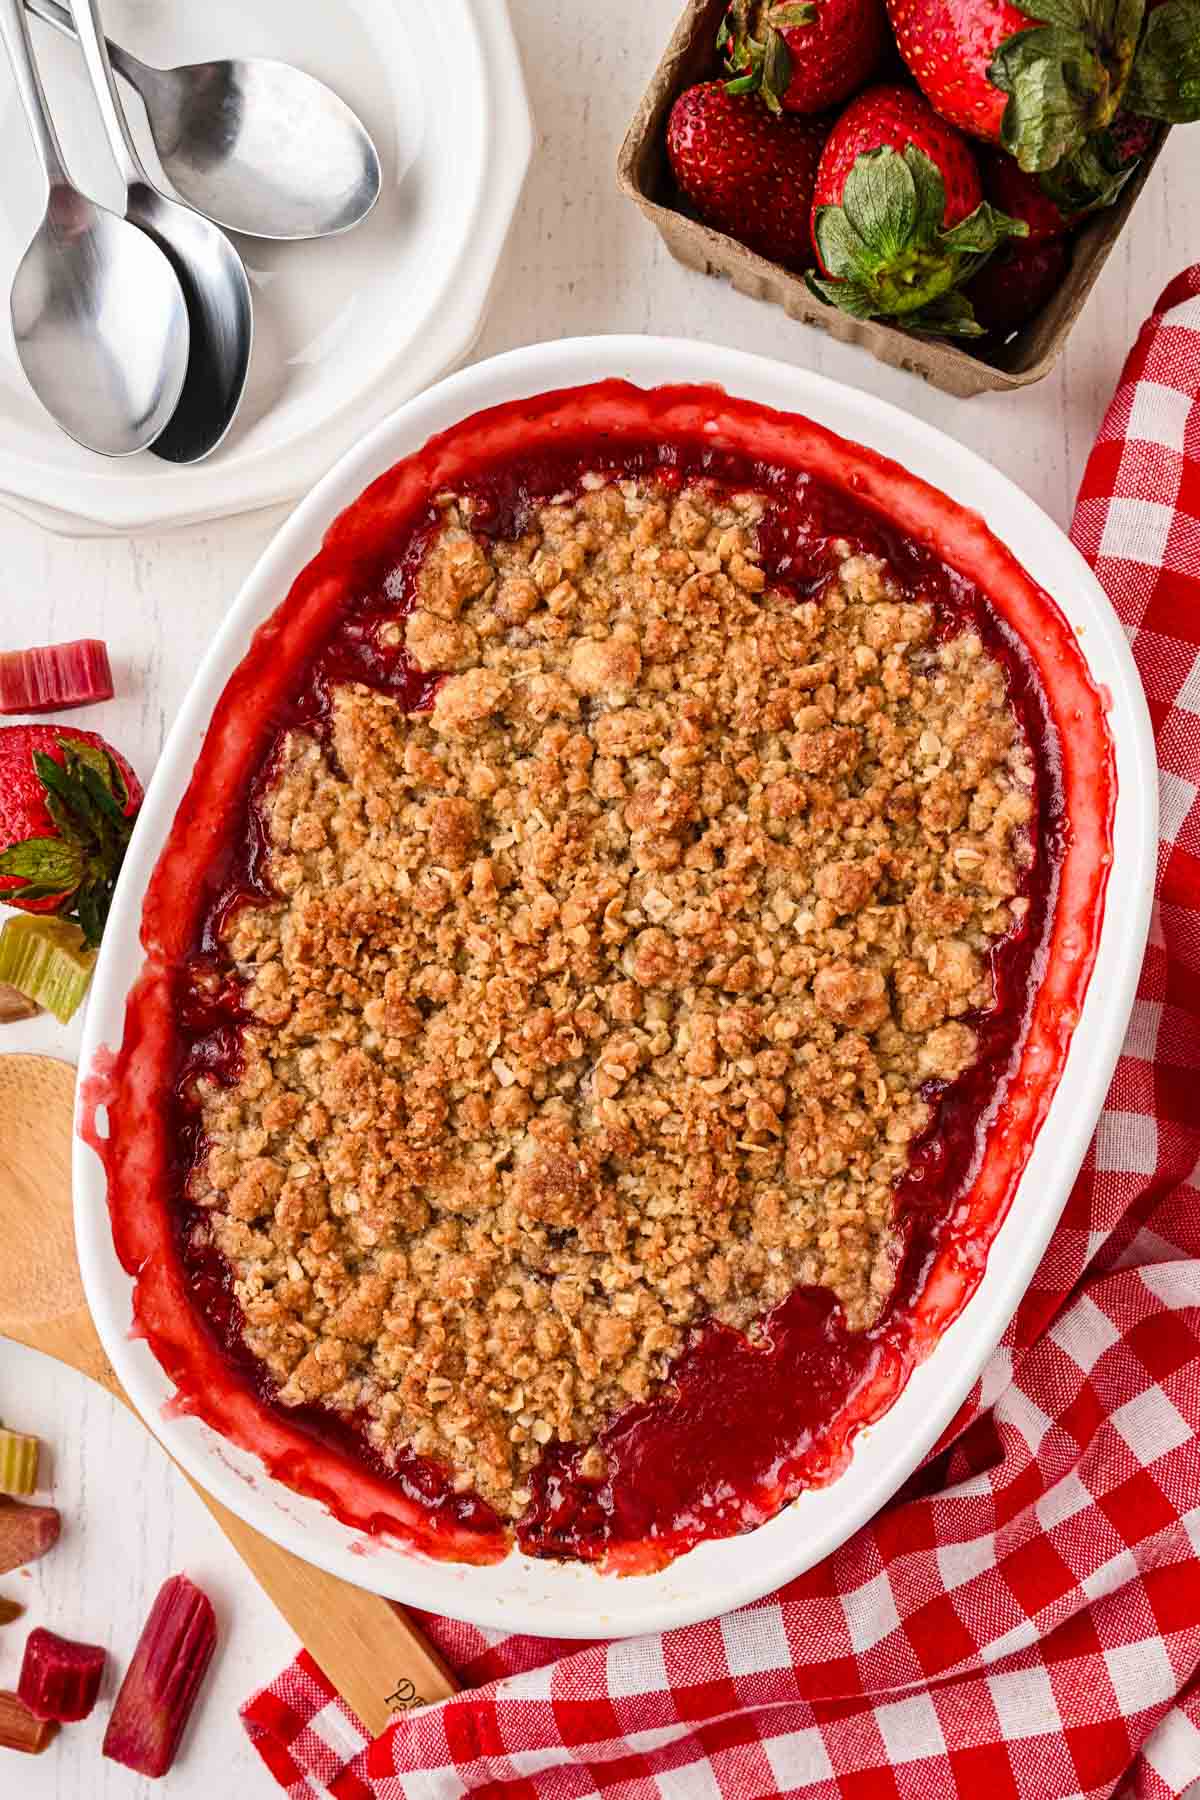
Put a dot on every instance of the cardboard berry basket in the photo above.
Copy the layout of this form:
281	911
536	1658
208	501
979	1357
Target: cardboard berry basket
644	176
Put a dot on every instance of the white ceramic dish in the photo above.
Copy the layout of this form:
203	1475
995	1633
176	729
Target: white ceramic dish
345	329
571	1600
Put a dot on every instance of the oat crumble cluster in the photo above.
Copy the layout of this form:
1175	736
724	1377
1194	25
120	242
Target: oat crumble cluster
600	999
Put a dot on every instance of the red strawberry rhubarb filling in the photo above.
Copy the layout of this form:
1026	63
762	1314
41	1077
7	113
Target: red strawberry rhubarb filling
605	978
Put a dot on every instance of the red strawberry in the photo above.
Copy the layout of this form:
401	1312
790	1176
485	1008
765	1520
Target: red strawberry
804	58
67	801
1022	196
1016	283
1042	77
899	217
747	171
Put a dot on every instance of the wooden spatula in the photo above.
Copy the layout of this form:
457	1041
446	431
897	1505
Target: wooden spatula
368	1648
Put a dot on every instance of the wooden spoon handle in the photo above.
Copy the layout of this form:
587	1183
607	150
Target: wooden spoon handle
367	1646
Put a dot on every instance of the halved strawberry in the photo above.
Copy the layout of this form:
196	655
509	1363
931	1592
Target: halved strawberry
67	801
802	58
899	217
1041	78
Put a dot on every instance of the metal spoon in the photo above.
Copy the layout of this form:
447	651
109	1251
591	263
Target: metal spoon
215	284
99	318
256	145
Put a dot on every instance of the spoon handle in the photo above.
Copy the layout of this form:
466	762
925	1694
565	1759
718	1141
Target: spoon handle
50	12
14	29
85	15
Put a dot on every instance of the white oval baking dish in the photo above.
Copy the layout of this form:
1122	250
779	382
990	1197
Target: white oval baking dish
572	1600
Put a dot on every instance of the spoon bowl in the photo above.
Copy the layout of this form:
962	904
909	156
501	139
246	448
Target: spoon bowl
100	326
261	147
254	144
216	289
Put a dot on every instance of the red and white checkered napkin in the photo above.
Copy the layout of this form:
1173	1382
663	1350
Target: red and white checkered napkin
1022	1622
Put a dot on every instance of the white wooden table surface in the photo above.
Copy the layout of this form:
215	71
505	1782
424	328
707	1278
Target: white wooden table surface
580	260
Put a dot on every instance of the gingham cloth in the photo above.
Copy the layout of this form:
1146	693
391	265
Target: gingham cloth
1023	1619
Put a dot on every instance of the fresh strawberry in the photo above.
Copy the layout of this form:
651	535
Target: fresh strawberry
899	217
747	172
1042	77
1016	283
67	801
802	58
1022	196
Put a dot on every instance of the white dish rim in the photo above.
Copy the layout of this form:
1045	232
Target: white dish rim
569	1600
104	501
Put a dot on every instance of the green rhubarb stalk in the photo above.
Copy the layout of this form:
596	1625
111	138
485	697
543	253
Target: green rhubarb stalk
47	959
18	1463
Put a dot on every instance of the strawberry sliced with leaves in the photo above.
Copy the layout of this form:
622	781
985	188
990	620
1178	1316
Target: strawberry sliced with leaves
899	218
802	58
67	802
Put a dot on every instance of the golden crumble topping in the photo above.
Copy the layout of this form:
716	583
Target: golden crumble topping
600	998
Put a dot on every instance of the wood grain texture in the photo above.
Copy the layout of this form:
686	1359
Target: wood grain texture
367	1647
581	259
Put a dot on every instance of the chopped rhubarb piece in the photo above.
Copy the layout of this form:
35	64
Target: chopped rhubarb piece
18	1462
22	1730
15	1006
47	960
162	1681
60	1679
54	677
9	1610
26	1532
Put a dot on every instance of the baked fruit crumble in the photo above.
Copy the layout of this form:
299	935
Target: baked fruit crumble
605	978
605	995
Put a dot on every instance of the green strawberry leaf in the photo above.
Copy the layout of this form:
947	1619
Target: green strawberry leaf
842	250
93	757
847	296
951	315
1165	83
880	201
787	17
983	230
102	798
91	909
48	862
1048	75
930	191
1105	21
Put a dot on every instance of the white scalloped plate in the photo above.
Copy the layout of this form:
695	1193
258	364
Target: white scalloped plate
569	1599
346	329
